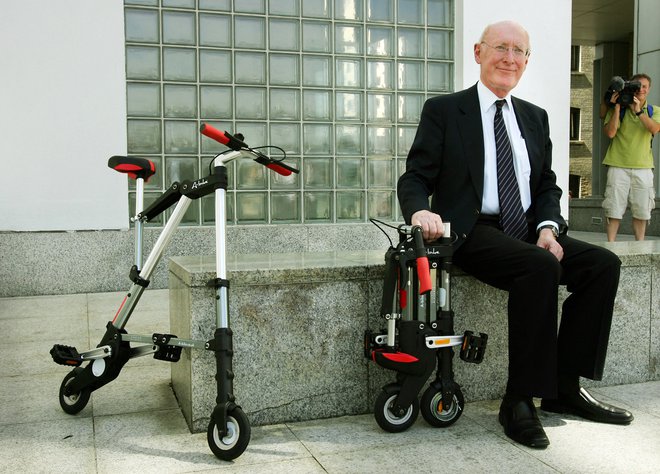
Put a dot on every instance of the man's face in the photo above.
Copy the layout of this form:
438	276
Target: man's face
643	90
502	54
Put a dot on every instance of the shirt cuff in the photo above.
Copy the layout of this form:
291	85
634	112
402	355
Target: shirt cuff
552	223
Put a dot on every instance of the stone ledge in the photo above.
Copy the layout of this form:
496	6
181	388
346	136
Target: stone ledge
298	321
586	214
108	256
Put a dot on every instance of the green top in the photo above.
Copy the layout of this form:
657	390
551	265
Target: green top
631	146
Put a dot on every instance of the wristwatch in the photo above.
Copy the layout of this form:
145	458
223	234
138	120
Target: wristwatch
639	113
554	230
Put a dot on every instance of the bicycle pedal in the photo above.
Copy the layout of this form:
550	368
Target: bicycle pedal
166	352
473	347
66	355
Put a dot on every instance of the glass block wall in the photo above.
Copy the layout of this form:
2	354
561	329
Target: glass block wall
338	84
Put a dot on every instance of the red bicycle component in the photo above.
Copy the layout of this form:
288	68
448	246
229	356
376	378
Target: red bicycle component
422	260
133	167
424	273
223	137
237	144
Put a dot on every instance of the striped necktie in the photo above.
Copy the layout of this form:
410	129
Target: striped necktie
512	216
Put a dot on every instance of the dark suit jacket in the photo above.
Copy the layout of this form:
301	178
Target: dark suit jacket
446	160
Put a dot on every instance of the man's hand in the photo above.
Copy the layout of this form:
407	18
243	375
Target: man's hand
612	125
431	224
613	98
636	106
547	241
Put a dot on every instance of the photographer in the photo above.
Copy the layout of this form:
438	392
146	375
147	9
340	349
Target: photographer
631	124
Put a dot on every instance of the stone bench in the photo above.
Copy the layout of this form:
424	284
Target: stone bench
298	321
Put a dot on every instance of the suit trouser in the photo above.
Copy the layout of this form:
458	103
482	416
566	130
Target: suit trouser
538	353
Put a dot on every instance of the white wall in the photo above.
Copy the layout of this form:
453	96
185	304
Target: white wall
547	80
62	96
647	60
647	45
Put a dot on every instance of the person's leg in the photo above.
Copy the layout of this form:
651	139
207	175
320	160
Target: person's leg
642	200
591	275
639	228
531	277
616	200
612	228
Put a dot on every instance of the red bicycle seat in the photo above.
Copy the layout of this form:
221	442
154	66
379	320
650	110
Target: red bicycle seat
133	167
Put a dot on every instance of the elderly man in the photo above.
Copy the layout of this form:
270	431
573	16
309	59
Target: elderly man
485	157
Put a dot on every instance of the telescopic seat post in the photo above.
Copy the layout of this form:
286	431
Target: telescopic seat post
222	303
137	221
445	268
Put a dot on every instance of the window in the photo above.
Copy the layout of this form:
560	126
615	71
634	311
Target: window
575	58
575	124
338	84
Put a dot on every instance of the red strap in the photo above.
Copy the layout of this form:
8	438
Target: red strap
400	357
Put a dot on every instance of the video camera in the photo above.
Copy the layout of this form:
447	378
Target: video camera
626	90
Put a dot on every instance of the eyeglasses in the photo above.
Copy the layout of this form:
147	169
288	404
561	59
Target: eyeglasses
504	50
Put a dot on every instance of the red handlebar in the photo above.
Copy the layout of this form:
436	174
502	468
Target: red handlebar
424	275
214	133
423	271
279	168
223	137
275	165
237	144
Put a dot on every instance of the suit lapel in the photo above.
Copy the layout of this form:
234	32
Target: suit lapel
472	137
527	125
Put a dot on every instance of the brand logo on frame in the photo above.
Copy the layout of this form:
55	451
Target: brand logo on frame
197	184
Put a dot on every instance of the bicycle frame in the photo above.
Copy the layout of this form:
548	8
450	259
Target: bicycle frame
133	295
229	430
420	334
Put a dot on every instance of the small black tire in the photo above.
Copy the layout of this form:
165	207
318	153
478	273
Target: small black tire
433	411
237	439
74	403
390	421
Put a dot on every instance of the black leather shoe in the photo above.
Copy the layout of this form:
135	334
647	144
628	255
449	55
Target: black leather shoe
582	404
522	424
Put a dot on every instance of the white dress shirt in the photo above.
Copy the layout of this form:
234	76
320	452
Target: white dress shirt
491	201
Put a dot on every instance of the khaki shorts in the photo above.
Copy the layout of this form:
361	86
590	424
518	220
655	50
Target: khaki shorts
629	186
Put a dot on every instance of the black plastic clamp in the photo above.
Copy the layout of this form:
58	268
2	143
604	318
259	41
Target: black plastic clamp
135	277
166	351
218	283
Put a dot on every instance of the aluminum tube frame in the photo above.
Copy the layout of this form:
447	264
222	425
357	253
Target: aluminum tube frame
444	294
165	237
127	306
391	331
174	341
222	296
138	222
134	294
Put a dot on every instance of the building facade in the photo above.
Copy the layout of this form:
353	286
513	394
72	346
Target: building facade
581	125
338	83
